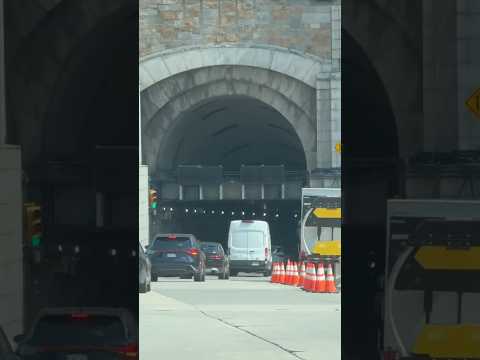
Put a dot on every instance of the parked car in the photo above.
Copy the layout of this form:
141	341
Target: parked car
249	247
144	271
217	261
6	352
177	255
80	334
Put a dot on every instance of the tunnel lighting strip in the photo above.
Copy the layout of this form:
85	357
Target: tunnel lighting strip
276	214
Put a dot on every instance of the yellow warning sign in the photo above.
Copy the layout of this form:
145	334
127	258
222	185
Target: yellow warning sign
473	103
338	148
325	213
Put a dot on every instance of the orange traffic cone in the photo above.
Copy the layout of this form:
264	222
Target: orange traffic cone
330	283
281	278
288	273
307	284
273	278
301	278
320	284
295	275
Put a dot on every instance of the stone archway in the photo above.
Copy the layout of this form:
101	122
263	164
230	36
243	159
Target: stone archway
173	81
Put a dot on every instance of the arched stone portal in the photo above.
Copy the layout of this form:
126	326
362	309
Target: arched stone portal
296	86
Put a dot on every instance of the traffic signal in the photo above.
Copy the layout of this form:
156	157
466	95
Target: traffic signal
33	224
153	199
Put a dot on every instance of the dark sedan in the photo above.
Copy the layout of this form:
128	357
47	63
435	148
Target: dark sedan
217	260
177	255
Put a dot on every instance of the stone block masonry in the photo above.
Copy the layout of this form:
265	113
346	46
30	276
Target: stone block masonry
303	25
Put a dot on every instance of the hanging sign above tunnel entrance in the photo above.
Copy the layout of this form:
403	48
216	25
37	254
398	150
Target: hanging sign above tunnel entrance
473	103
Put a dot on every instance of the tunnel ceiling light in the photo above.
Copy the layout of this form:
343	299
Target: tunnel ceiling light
253	214
164	209
264	214
223	212
243	213
277	215
233	212
186	210
213	212
171	209
195	211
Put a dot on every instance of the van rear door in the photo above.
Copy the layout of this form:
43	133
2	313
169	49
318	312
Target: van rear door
256	245
239	246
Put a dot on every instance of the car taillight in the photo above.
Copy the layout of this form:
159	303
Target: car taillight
129	351
79	316
390	354
193	252
216	257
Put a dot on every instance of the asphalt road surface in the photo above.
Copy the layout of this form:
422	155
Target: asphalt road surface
244	318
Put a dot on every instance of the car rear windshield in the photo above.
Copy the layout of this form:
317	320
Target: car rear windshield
210	248
162	243
76	330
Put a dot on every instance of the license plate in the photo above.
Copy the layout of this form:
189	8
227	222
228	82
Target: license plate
255	264
171	255
77	357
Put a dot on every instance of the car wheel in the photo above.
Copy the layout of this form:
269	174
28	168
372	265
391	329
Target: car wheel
149	288
221	276
234	273
154	278
142	288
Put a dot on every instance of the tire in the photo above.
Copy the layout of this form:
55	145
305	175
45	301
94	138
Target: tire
154	278
234	273
149	288
203	277
142	288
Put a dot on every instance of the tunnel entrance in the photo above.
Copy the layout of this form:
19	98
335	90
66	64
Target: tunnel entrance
234	134
232	131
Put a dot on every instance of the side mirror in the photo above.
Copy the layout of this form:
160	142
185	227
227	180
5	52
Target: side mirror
19	338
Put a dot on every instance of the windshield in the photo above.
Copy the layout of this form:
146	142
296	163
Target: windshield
64	330
163	243
210	248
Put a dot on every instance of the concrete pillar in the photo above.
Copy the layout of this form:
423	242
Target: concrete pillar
3	119
468	72
11	239
139	126
100	209
440	128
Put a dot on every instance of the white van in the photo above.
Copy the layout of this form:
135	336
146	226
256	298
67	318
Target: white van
250	247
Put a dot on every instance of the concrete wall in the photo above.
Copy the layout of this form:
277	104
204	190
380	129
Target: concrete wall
11	240
143	211
304	25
